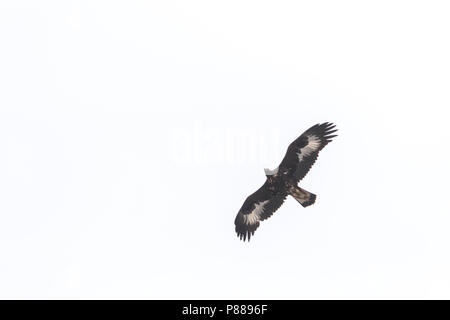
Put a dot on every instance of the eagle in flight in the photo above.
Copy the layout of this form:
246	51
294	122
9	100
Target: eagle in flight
282	181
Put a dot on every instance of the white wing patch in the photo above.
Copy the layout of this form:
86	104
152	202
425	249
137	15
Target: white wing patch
253	217
313	145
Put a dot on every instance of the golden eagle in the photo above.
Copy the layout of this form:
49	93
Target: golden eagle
281	182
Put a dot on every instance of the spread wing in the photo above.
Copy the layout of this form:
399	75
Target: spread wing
257	207
303	152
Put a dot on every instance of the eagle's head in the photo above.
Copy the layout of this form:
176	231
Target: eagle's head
269	172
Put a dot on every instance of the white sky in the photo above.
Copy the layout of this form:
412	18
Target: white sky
132	132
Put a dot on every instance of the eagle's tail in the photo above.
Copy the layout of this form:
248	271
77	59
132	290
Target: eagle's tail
305	198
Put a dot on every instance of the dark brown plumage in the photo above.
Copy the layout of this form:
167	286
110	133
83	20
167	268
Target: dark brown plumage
281	182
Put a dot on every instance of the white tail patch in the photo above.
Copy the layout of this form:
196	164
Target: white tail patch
305	198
